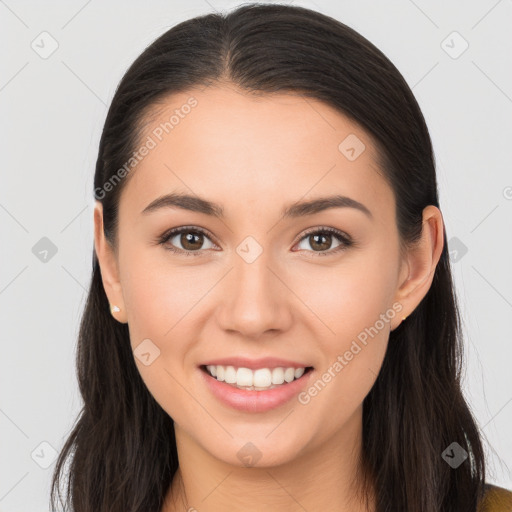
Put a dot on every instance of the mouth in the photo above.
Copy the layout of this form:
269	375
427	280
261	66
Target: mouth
260	379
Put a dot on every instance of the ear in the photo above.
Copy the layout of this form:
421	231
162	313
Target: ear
420	264
107	260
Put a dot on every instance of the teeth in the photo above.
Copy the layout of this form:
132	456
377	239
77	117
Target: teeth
277	376
299	372
244	377
260	379
289	374
230	375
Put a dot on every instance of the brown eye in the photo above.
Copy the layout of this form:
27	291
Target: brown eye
321	240
186	240
191	241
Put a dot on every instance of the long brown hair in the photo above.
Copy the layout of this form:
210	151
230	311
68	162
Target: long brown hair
122	449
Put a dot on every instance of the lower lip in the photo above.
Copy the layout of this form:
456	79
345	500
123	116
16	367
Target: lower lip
251	400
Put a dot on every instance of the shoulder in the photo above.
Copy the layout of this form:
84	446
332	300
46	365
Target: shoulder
496	499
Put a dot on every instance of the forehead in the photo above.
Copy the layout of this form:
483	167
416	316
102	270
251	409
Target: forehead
254	150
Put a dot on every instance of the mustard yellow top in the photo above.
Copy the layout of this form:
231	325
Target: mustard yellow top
496	499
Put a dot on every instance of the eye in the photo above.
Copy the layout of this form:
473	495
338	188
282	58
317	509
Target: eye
321	239
190	238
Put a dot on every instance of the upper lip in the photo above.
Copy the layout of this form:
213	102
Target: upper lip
253	364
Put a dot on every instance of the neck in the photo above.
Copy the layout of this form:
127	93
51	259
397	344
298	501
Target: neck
323	477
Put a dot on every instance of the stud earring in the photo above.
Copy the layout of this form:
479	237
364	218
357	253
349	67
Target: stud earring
114	309
403	318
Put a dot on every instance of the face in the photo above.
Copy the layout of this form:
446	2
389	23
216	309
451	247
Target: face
316	288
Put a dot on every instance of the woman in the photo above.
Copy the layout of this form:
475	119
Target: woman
271	323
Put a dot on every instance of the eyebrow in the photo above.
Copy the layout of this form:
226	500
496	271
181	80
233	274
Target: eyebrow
298	209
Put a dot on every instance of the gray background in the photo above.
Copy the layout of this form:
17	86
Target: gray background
52	110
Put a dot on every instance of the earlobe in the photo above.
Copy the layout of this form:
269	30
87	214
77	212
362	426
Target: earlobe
109	267
422	260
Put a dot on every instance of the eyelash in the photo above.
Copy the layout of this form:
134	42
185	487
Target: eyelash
345	240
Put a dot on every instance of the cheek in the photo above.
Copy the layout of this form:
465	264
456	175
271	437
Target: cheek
161	301
349	297
352	357
340	387
157	294
353	302
158	298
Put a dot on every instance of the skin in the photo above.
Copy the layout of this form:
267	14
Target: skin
254	156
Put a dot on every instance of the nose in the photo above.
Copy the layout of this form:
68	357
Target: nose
255	299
